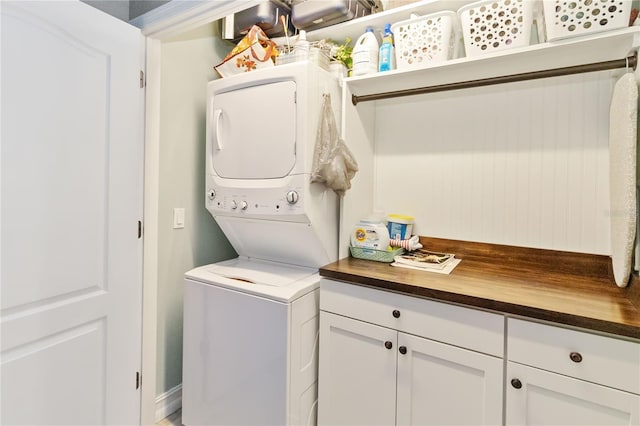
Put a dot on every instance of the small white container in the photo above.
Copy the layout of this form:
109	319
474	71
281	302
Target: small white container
399	226
301	47
370	233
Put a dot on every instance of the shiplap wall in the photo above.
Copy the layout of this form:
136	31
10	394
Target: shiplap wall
521	164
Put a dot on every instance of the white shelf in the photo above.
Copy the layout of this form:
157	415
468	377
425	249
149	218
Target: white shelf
353	29
602	47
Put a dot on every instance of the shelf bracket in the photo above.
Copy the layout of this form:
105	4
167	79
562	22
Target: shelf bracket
629	62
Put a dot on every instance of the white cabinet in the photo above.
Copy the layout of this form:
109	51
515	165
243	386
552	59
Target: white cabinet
557	376
357	384
440	384
539	397
371	374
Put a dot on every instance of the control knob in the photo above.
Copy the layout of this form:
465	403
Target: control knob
234	205
243	205
292	197
211	193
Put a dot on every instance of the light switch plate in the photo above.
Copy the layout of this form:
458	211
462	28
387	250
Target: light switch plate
178	218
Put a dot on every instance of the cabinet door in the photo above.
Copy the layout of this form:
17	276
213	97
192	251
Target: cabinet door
538	397
357	372
440	384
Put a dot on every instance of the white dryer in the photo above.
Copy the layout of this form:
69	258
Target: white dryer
251	323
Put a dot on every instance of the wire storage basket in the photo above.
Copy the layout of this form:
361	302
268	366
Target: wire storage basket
493	25
424	40
318	54
574	18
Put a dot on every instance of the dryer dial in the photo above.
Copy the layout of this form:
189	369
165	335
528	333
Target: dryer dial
243	205
292	197
211	193
234	205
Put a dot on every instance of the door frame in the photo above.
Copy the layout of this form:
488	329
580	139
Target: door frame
162	23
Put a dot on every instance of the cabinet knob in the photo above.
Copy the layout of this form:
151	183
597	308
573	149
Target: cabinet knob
575	357
396	313
516	383
403	349
388	344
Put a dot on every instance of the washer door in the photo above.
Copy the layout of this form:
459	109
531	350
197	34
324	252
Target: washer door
254	131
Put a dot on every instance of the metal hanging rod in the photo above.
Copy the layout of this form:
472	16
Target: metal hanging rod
628	62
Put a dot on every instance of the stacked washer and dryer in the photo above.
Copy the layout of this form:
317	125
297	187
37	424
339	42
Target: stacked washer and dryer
251	323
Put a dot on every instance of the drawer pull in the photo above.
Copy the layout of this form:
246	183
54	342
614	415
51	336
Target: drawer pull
388	344
516	383
396	313
403	349
575	357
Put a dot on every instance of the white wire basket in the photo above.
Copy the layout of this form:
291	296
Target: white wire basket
426	40
318	54
574	18
493	25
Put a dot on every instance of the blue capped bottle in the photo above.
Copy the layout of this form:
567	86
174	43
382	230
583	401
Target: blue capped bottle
387	56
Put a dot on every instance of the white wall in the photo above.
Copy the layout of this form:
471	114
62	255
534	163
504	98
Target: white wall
522	164
186	67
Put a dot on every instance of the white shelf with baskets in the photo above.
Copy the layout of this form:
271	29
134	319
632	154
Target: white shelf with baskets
600	47
585	49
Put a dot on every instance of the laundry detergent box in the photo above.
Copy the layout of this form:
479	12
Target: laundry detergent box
370	234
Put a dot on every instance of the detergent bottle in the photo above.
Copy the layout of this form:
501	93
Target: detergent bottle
365	53
387	57
370	233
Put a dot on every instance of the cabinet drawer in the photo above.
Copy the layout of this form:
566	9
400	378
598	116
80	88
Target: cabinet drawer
595	358
468	328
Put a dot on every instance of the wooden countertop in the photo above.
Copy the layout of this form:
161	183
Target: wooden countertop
567	288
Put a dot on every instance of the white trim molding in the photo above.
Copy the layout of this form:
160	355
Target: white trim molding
178	16
151	214
169	402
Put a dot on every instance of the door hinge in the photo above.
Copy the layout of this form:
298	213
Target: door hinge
142	82
138	380
139	229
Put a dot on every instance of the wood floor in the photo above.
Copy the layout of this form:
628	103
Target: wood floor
174	419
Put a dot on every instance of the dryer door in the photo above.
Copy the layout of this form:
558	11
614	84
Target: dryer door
254	131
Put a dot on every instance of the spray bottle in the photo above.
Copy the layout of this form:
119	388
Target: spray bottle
387	57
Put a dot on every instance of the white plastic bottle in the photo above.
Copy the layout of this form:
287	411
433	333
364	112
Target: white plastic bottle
301	47
365	54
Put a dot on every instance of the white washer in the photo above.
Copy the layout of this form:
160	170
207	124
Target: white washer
251	336
251	323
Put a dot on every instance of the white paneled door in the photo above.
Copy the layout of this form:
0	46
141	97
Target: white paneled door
71	197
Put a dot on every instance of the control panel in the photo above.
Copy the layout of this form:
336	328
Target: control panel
272	202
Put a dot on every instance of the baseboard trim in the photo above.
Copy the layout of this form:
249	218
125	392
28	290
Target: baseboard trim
169	402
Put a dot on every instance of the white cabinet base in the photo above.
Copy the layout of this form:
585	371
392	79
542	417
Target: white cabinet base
439	384
551	399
